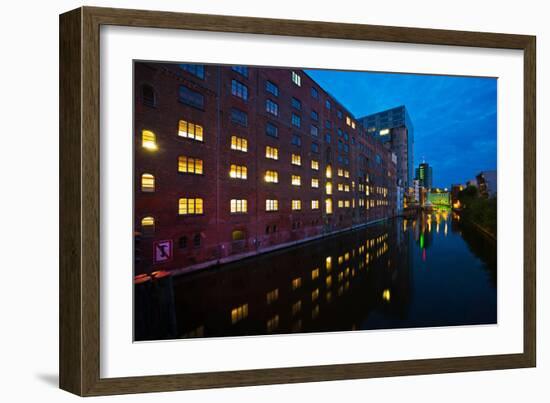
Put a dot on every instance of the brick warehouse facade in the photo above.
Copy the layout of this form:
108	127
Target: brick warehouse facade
230	161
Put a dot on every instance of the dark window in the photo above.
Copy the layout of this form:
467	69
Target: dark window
190	97
271	130
296	103
197	240
195	69
271	107
346	136
274	228
339	113
314	116
314	92
239	117
148	95
327	137
327	104
346	148
296	121
296	140
339	132
267	229
242	70
315	147
182	242
328	124
272	88
314	131
239	89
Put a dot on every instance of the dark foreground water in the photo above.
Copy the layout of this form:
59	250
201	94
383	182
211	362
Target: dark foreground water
422	272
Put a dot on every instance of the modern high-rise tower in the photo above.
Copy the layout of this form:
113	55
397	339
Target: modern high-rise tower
424	175
394	128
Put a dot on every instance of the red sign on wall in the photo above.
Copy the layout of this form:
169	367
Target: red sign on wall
162	251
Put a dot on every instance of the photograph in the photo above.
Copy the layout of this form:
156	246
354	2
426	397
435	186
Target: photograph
286	200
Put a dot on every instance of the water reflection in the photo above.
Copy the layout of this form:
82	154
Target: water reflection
400	273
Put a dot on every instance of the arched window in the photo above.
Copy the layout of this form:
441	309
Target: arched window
197	240
147	225
147	183
182	242
148	140
328	172
328	206
328	188
148	95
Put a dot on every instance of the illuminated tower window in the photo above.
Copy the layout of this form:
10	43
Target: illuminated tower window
190	130
238	206
328	172
296	205
296	159
315	165
148	140
328	206
148	225
147	183
328	188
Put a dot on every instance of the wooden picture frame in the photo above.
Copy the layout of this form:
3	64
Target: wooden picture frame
79	200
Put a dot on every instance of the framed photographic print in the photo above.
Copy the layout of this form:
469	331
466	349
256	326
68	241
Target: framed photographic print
251	201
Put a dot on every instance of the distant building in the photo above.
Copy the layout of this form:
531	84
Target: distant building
472	182
487	183
439	198
394	128
424	174
455	190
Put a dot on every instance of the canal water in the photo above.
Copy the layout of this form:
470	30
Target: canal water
427	271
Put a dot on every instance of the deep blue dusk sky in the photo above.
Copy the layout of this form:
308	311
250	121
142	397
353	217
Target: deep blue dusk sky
454	118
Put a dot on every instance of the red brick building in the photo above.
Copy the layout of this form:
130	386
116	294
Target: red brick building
232	161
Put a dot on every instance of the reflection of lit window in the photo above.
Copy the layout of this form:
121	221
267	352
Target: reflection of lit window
239	313
315	165
315	204
238	206
315	274
386	295
314	295
314	182
296	205
189	165
328	281
271	205
271	176
273	323
239	144
190	206
190	130
238	171
271	153
148	140
296	180
296	283
147	183
296	307
272	296
315	312
328	263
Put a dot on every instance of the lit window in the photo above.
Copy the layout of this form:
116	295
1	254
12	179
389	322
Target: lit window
238	235
296	79
296	205
238	206
239	313
239	144
148	224
296	180
271	153
314	182
346	174
328	172
238	171
328	206
147	183
190	206
271	176
189	165
148	140
190	130
296	283
384	132
328	188
346	203
271	205
296	159
315	204
272	296
340	203
315	165
348	120
340	187
340	172
346	188
352	124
